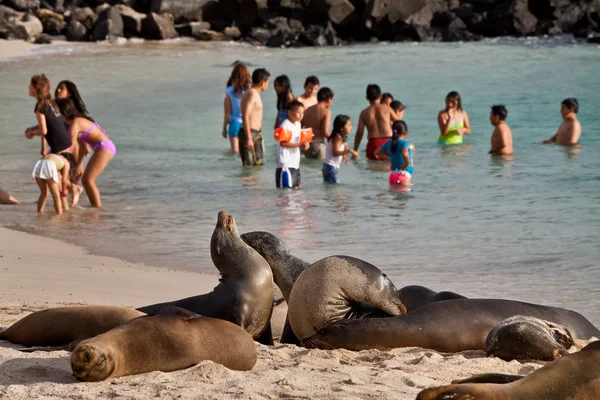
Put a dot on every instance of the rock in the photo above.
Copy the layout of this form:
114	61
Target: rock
53	23
314	35
53	5
108	26
191	28
22	5
43	39
76	31
468	16
208	35
396	10
156	27
33	26
277	40
233	32
132	20
569	16
296	25
247	14
187	10
280	27
508	18
85	16
219	25
594	39
101	8
342	12
262	35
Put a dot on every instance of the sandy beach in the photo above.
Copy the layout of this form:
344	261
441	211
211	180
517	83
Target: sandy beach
38	272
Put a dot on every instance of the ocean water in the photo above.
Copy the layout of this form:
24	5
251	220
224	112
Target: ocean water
525	227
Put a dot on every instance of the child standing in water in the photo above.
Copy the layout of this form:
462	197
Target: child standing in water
337	148
46	174
238	83
287	173
283	89
400	153
501	141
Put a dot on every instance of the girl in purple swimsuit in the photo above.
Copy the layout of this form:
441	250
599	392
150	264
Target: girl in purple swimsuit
88	132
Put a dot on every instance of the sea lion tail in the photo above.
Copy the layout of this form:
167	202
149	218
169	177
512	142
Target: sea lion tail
445	393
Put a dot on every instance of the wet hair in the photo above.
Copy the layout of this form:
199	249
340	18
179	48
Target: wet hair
73	94
324	94
455	96
69	110
42	88
260	75
286	85
313	80
239	79
339	123
398	128
397	105
373	92
294	104
386	95
571	103
500	110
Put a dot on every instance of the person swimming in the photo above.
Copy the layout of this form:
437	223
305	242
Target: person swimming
453	121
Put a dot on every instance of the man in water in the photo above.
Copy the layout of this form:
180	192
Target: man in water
377	118
318	118
252	148
311	85
501	136
570	129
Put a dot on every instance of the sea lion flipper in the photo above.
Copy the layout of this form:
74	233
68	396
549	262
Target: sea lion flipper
45	348
489	378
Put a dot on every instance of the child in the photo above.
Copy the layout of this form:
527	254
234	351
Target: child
400	153
570	130
311	86
387	99
283	88
501	136
337	148
287	173
318	118
398	108
238	83
88	131
46	174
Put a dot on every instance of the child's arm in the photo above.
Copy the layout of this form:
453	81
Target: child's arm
291	145
40	129
381	154
44	151
406	159
227	108
553	138
444	121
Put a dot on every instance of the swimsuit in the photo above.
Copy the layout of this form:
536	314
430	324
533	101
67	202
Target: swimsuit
256	155
373	144
452	137
317	150
331	165
47	168
235	119
57	136
282	115
105	144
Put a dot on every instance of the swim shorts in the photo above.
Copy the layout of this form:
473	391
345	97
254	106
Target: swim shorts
287	177
372	145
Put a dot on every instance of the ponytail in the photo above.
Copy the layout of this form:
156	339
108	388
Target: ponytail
398	128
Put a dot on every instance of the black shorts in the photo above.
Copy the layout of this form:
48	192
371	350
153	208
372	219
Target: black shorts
287	177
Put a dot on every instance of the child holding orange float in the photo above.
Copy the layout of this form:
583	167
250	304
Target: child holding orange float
290	139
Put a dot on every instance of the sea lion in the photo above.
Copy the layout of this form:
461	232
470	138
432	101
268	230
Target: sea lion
574	377
164	342
244	294
448	326
65	327
326	291
528	338
415	296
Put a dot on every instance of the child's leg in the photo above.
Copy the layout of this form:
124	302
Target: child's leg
66	182
41	203
55	191
234	143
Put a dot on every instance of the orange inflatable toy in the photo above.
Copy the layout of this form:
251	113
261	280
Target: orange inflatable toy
283	135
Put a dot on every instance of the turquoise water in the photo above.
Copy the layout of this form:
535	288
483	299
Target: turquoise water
524	228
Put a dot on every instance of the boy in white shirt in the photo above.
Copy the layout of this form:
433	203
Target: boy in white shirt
287	174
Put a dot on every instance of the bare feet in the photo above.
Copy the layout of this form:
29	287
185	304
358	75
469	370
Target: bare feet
76	194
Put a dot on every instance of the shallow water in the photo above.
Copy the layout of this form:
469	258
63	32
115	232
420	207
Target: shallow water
524	228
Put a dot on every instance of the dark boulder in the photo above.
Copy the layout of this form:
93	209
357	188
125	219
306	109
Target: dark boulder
108	26
22	5
508	18
85	16
468	16
569	16
190	29
156	27
209	35
277	40
261	35
594	39
233	32
342	12
43	39
187	10
247	14
132	20
53	23
76	32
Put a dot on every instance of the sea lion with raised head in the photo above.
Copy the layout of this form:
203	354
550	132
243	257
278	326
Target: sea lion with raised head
528	338
574	377
448	326
327	291
166	342
244	294
65	327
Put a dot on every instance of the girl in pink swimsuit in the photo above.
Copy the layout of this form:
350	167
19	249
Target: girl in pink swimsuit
86	131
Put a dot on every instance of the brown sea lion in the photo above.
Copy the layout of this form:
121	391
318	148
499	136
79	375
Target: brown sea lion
165	342
573	377
327	290
415	296
65	327
244	294
449	326
528	338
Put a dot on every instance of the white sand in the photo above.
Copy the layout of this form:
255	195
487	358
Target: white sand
14	48
37	272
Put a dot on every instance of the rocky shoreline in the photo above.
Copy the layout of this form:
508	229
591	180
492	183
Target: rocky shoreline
297	23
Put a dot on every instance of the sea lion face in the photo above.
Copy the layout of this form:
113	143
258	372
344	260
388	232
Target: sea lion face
382	288
91	364
224	238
